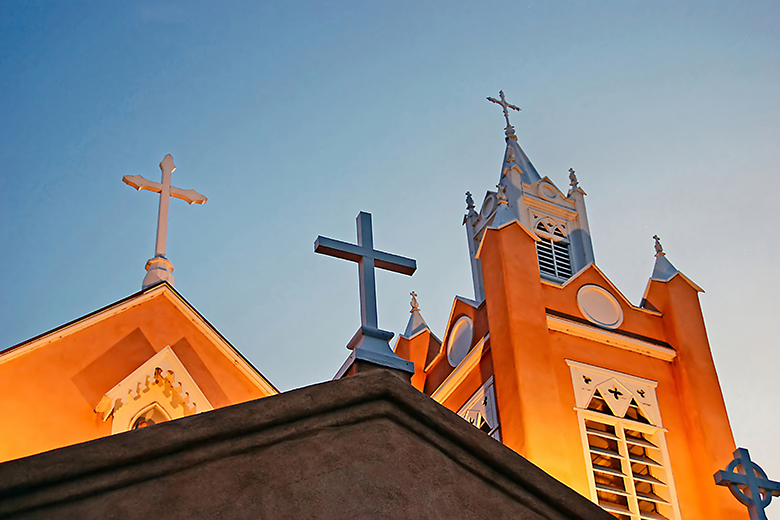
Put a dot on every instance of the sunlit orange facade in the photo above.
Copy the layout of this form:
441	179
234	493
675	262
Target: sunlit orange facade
619	401
52	385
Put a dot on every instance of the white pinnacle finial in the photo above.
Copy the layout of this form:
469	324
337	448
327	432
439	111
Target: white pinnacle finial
573	179
159	268
659	249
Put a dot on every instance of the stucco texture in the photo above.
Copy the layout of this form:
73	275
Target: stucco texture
367	446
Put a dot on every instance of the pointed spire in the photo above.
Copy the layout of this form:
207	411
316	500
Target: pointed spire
514	157
663	271
416	321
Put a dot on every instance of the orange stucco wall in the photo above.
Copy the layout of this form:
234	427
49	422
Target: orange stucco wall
48	395
534	390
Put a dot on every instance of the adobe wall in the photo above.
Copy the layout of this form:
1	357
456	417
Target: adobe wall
368	446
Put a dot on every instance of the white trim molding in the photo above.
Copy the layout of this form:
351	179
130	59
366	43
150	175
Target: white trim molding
460	372
160	290
178	394
612	339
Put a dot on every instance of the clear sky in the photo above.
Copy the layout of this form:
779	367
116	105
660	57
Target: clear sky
294	116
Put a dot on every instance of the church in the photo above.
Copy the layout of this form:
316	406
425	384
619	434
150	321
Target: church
619	403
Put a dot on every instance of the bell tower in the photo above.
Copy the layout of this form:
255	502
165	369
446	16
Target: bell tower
559	221
618	400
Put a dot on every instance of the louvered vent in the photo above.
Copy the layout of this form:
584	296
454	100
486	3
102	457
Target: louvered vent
553	251
630	478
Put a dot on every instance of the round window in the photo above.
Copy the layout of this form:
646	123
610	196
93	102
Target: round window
599	306
459	342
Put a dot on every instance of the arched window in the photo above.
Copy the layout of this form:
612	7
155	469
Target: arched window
152	415
553	249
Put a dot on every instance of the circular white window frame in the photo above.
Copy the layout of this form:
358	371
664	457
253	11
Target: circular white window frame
599	306
547	191
459	342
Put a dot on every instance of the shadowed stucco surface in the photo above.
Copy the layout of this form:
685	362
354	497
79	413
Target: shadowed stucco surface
368	446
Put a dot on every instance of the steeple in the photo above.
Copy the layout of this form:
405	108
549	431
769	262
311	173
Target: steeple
559	220
416	321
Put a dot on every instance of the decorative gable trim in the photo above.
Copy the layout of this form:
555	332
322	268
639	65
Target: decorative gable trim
165	370
143	296
588	378
612	288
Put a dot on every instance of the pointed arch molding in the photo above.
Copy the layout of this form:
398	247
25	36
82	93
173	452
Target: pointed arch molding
163	380
617	388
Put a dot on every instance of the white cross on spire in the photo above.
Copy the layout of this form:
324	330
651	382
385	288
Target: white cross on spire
159	268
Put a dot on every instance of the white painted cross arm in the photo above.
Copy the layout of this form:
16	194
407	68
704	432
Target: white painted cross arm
140	182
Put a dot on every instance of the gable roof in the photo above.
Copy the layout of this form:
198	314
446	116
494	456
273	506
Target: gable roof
162	289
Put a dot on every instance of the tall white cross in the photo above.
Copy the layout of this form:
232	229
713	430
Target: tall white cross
158	267
370	344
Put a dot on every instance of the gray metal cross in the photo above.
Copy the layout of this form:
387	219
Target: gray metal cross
748	483
504	105
369	345
367	259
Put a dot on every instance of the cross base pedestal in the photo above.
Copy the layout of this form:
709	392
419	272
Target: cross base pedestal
371	350
158	269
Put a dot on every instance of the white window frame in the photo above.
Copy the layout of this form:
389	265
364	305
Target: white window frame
642	391
550	240
483	402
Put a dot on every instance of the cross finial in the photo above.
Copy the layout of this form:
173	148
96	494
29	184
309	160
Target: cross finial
158	267
415	305
509	130
748	483
573	179
370	344
659	249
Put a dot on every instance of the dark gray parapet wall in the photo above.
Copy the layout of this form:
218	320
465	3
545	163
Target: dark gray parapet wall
368	446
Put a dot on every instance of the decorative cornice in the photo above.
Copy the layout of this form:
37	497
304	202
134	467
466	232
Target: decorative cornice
613	339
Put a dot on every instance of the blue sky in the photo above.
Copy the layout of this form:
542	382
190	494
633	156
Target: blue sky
293	117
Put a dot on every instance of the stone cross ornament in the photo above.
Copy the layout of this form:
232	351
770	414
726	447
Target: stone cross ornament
159	268
748	483
369	344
